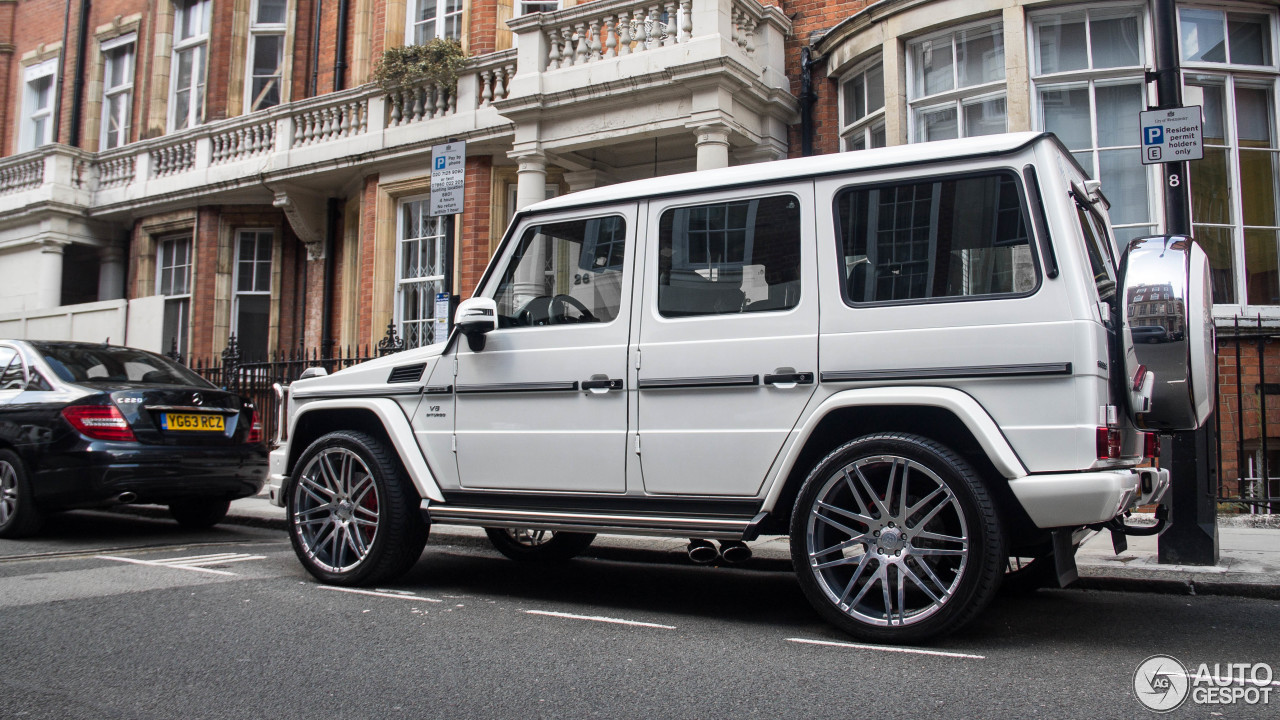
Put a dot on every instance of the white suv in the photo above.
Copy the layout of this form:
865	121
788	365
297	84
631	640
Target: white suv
913	361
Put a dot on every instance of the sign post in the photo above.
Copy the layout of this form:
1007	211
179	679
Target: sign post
448	182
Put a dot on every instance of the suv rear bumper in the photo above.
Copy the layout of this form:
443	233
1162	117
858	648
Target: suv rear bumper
277	462
1084	498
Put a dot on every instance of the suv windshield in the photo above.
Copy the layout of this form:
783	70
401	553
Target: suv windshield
106	364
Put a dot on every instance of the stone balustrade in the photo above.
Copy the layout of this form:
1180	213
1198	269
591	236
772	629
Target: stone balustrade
329	123
21	173
241	143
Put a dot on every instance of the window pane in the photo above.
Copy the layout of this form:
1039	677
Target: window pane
1066	114
939	239
272	12
1253	117
1211	184
1118	109
1086	162
877	136
855	105
981	55
557	276
1212	101
875	88
1262	281
1126	234
740	256
1202	36
267	51
936	125
1216	242
858	141
253	325
1060	41
1250	39
933	71
985	117
1258	173
1116	41
1124	181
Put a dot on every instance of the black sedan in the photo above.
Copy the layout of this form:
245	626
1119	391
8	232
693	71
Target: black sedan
85	425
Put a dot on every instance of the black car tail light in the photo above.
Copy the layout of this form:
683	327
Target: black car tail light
255	428
99	422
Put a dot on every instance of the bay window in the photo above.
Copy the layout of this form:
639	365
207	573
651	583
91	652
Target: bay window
956	84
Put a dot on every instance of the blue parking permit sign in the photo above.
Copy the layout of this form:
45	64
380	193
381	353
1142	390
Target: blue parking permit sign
448	177
1171	135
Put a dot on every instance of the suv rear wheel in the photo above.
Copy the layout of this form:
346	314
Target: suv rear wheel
895	539
538	545
352	513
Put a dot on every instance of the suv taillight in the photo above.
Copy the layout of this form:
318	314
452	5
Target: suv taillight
1151	446
255	428
1108	443
99	422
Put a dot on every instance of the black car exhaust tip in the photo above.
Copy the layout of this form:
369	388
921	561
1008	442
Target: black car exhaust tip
127	497
734	552
702	552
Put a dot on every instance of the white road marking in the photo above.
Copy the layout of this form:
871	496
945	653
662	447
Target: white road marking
195	563
886	648
596	618
374	593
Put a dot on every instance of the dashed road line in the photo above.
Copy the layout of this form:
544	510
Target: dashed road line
194	563
597	618
888	648
375	593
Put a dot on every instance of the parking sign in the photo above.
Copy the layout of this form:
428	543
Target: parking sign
1171	135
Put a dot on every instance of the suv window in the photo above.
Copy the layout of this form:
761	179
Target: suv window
1099	255
564	272
737	256
946	238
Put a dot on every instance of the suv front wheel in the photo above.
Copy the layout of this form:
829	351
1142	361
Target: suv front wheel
895	539
352	513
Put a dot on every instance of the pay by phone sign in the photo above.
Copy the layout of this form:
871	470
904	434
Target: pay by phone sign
1171	135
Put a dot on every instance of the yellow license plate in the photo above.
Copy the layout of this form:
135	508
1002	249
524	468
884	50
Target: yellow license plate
191	422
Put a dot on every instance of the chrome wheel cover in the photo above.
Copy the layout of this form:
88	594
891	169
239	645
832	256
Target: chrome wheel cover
8	491
335	507
887	541
528	537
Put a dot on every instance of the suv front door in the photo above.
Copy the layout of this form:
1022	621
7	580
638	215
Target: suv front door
544	405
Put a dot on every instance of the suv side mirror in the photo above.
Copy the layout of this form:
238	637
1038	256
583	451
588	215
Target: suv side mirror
474	318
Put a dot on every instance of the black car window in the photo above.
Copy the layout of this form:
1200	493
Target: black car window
12	378
101	363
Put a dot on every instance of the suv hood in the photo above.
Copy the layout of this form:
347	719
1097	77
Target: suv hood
402	371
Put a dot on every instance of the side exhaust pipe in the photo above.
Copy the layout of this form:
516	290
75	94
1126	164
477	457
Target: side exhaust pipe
734	552
702	552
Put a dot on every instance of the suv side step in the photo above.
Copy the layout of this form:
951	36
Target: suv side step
719	527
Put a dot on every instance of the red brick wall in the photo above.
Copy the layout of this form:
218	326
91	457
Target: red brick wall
483	31
808	17
473	242
1247	406
204	276
365	324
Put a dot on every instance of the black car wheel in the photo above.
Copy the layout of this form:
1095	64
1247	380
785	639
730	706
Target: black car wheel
538	545
352	513
19	516
895	539
199	514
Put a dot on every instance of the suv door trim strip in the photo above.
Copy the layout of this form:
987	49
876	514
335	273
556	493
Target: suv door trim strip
697	382
719	527
986	371
569	386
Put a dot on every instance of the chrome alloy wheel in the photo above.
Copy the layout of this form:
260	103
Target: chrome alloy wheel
335	509
8	491
529	537
887	541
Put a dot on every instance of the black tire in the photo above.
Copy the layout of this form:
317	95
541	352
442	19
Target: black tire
1025	575
199	514
19	516
539	545
356	522
930	546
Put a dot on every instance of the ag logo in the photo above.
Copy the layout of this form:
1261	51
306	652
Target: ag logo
1161	683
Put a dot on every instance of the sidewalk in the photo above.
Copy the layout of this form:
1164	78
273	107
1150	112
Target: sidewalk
1248	550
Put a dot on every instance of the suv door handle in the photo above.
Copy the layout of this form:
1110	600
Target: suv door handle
791	378
605	384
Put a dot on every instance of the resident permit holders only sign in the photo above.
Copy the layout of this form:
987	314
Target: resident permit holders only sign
1172	135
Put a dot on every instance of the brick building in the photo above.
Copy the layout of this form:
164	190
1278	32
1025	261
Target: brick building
179	171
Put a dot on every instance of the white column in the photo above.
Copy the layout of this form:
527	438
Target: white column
531	179
111	272
49	293
713	147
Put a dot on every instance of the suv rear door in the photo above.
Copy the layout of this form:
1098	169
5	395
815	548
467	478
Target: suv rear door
728	337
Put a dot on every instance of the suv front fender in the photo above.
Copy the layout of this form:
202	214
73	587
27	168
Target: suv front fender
967	410
394	424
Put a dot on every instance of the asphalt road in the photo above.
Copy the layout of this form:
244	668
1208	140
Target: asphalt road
109	616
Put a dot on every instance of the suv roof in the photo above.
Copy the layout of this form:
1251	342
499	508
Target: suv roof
739	175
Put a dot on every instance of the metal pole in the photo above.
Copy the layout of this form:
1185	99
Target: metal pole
1191	538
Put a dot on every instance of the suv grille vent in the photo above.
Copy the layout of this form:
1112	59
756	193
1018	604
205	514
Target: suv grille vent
406	373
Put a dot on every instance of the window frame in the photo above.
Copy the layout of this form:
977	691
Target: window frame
183	299
27	139
198	43
128	44
866	126
259	30
1024	204
956	97
1273	26
236	292
440	21
402	283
